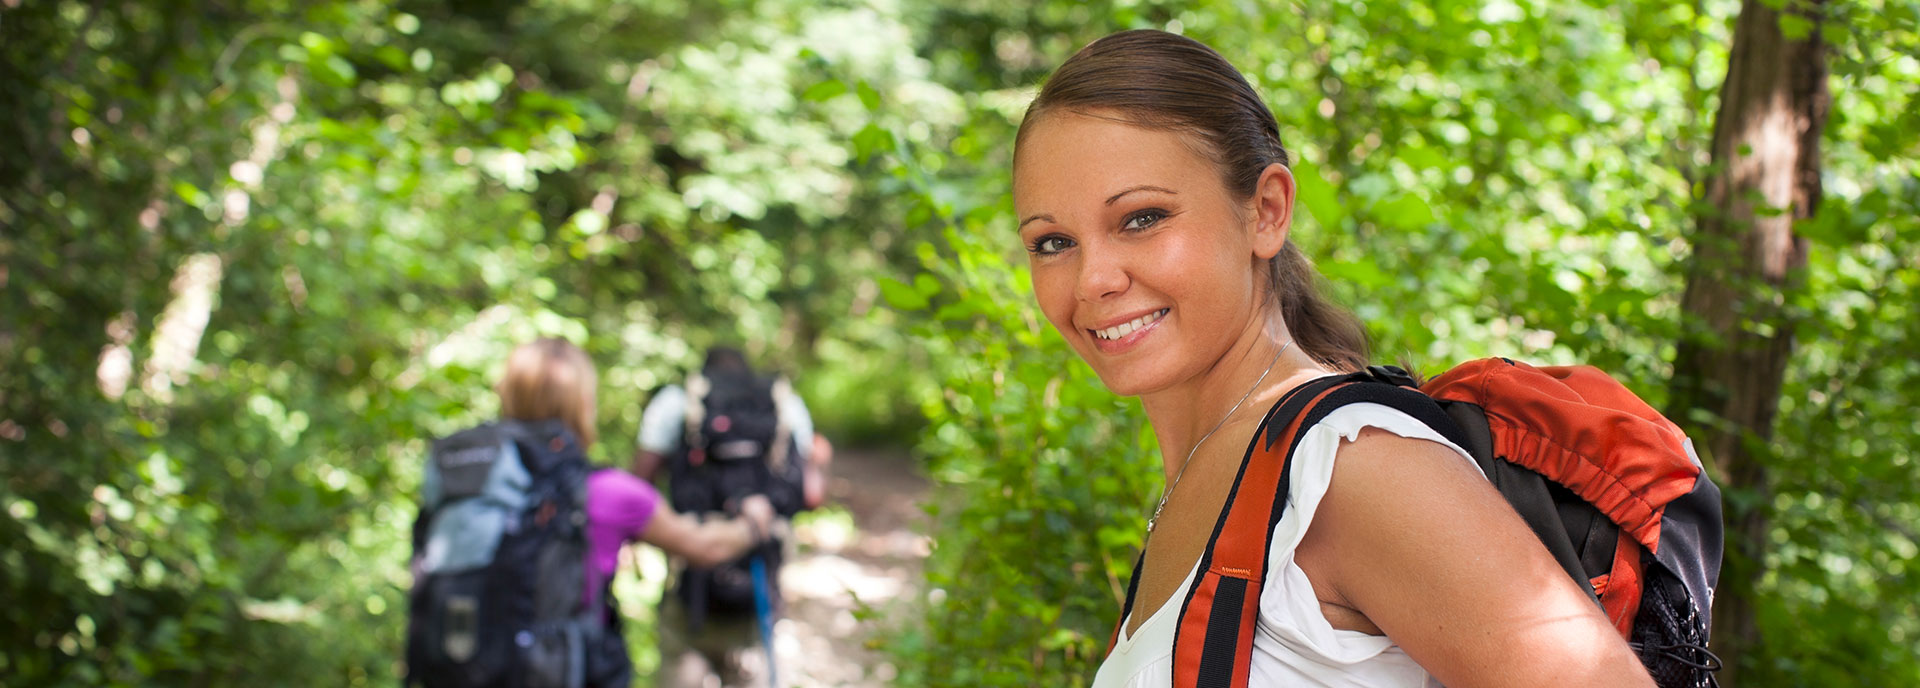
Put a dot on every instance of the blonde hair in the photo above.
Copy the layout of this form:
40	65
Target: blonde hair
550	378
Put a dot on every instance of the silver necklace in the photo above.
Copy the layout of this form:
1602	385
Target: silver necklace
1151	522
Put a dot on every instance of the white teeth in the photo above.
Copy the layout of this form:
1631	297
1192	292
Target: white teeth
1130	327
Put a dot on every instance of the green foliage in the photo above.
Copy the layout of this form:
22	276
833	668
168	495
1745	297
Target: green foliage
1037	458
256	253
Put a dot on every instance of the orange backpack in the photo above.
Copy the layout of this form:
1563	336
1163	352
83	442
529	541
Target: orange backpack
1610	487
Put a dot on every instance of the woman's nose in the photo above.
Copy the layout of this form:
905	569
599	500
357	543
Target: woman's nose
1103	274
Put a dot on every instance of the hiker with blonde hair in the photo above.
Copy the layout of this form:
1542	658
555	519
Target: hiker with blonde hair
518	538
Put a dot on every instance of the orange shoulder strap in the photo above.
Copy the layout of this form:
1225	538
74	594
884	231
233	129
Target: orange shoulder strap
1213	645
1214	642
1226	574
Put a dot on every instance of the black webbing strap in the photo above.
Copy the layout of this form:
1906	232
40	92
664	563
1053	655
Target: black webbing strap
1219	654
1133	586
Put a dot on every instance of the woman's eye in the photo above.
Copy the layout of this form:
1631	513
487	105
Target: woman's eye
1049	245
1143	220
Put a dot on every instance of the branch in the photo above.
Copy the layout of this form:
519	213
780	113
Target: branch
232	52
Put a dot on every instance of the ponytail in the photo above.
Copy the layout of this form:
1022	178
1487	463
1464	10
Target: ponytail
1327	332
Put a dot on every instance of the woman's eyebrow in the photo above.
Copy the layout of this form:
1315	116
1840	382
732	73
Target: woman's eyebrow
1110	200
1030	218
1142	187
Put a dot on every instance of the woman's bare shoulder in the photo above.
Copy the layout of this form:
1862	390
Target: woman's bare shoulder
1411	536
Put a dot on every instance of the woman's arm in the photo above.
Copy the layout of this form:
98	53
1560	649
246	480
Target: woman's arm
1412	538
710	543
814	485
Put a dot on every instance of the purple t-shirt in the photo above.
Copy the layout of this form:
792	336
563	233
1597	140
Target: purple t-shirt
619	506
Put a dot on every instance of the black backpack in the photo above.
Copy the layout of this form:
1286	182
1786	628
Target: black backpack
500	557
734	446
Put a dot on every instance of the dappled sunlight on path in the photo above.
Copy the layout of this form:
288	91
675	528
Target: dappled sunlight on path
863	551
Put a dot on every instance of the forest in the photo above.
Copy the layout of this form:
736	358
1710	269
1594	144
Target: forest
256	254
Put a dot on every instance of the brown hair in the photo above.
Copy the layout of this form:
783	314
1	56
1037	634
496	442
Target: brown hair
1166	81
550	378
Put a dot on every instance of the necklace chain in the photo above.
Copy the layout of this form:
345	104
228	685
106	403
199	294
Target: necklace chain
1155	519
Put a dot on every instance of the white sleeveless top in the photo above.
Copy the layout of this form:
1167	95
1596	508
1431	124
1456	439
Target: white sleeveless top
1293	645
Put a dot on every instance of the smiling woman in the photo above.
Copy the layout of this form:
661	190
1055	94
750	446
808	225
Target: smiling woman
1156	202
1112	270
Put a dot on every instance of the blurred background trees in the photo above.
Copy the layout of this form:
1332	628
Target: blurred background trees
253	254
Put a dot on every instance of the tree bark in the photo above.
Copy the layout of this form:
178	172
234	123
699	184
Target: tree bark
1738	336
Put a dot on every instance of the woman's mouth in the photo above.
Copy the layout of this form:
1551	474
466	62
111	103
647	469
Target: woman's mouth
1122	336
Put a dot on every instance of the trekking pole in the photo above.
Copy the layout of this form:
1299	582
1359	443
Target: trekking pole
763	613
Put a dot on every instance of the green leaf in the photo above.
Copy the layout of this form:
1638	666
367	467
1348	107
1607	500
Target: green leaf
316	44
872	140
1795	27
1364	273
391	56
868	96
957	310
901	295
1422	157
926	284
824	91
1318	196
1833	33
1405	211
191	194
334	71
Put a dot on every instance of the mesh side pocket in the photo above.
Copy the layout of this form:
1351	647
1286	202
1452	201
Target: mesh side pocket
1669	634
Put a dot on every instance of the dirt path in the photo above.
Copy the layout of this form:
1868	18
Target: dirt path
875	558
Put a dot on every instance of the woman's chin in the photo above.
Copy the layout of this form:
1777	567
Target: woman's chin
1130	375
1129	383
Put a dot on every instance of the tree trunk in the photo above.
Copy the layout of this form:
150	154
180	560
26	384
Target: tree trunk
1733	353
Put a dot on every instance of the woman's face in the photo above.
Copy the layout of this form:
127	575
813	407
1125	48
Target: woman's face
1141	257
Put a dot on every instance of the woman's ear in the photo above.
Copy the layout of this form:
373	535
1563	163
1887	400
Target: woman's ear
1272	210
